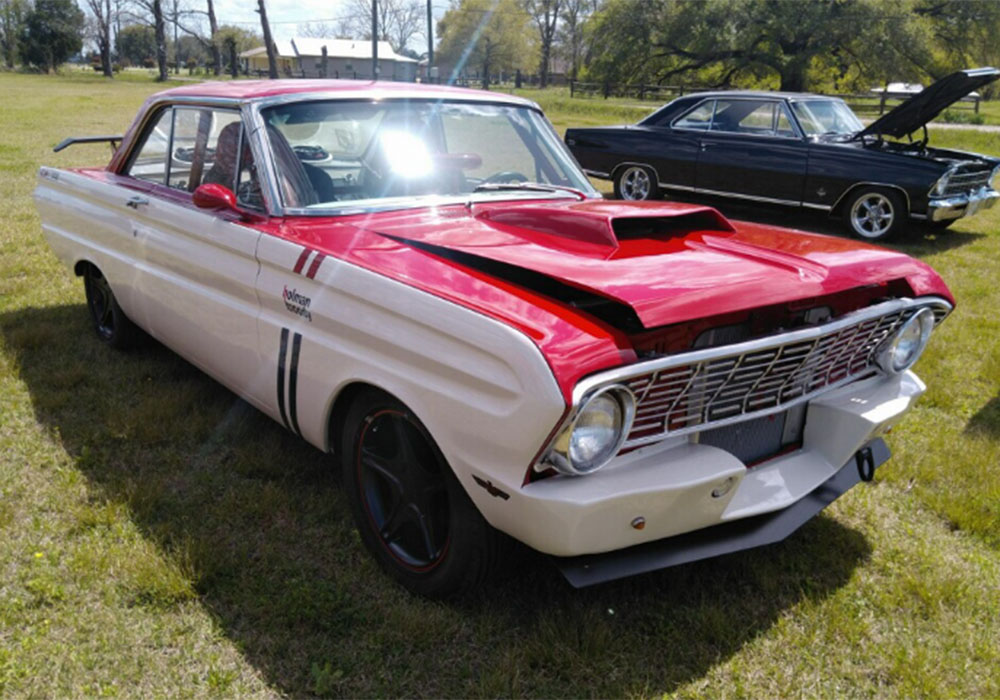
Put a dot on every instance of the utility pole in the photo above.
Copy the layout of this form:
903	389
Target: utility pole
177	54
374	39
272	61
430	41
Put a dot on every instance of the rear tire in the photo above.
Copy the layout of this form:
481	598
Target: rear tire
112	326
409	509
875	213
636	183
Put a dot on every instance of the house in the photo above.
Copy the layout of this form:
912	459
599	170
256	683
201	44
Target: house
302	57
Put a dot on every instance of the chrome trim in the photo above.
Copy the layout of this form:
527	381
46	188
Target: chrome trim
596	173
856	185
820	207
376	93
621	375
431	200
751	197
562	462
955	207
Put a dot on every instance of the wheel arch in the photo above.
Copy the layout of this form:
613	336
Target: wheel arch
629	163
838	207
340	404
81	266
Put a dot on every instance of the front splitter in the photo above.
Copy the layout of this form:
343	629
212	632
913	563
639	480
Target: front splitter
736	536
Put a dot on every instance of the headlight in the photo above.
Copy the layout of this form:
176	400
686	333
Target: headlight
942	184
910	340
995	178
597	432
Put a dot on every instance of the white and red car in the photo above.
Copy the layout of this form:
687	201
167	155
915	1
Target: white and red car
421	281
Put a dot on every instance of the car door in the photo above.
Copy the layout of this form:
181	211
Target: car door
197	269
752	149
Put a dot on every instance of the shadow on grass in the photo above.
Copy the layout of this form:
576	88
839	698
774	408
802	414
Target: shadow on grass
254	519
987	419
917	239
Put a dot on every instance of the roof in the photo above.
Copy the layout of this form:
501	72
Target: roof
335	48
260	89
757	93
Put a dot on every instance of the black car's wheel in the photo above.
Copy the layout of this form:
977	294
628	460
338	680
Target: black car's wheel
636	182
111	324
409	508
875	213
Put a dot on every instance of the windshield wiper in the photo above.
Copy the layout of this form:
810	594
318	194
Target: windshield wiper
527	186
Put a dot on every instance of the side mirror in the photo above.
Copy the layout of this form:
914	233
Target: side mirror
212	196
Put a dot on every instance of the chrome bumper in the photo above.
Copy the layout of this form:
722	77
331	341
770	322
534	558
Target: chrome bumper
960	205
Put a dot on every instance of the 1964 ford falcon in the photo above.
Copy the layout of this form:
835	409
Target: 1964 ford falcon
421	281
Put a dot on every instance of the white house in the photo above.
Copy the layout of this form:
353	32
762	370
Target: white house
345	58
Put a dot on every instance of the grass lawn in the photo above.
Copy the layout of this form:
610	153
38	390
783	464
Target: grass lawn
159	538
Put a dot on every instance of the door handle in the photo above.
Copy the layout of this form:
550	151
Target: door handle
703	146
135	202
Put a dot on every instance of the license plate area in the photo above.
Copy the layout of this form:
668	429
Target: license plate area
755	441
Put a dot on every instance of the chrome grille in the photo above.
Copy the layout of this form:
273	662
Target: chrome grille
719	386
964	182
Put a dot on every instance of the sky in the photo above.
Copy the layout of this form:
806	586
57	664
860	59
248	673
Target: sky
286	15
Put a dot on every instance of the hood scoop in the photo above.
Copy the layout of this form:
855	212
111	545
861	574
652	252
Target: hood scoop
606	224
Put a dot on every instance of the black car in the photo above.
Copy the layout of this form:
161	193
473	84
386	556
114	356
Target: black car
800	150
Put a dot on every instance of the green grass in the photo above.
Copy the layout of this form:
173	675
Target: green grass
160	538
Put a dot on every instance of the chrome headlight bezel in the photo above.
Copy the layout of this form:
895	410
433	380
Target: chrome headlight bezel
559	456
995	178
890	358
939	187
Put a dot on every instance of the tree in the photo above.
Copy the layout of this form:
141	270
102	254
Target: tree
399	21
570	35
493	35
136	43
151	12
545	15
52	33
101	12
12	16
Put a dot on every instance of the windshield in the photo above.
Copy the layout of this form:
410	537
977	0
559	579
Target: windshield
368	153
822	117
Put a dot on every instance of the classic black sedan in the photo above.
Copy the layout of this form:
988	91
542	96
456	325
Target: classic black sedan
801	150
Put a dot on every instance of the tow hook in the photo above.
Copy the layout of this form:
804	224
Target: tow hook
866	464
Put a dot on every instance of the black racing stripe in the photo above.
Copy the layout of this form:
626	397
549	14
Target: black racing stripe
281	376
293	375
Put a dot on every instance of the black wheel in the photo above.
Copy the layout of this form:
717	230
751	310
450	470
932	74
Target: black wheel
409	508
111	324
636	183
875	213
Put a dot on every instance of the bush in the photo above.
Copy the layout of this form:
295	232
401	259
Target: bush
957	116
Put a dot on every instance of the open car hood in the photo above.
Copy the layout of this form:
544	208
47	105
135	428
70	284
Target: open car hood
930	102
663	262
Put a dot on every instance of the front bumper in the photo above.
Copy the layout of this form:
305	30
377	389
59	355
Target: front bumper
679	486
721	539
948	208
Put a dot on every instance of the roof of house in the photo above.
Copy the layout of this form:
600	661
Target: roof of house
335	48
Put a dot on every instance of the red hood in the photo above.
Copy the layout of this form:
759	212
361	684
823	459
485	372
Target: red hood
668	262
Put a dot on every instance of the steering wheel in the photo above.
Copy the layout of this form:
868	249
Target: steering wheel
505	176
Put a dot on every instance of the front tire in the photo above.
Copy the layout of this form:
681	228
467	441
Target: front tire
875	213
636	183
112	326
410	510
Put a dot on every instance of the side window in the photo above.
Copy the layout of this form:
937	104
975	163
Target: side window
248	186
698	118
205	147
151	162
784	123
759	121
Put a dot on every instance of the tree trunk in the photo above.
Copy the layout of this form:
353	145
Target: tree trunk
543	68
213	26
105	41
272	60
160	27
